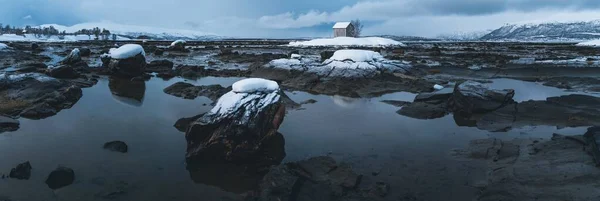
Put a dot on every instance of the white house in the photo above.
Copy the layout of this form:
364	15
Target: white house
343	29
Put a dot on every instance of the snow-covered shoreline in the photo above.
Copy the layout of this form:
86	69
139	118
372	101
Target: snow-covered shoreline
347	41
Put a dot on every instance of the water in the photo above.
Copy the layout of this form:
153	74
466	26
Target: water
413	156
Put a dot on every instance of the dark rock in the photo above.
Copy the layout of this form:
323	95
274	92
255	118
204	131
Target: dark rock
380	189
131	67
396	103
85	52
165	76
178	46
8	124
420	110
116	146
435	97
236	133
34	46
473	97
326	55
63	72
60	177
159	52
73	57
30	67
184	123
309	101
21	172
189	91
592	137
160	67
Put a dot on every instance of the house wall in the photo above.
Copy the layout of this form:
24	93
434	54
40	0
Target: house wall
339	32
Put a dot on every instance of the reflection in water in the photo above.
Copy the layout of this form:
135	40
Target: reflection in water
236	177
346	102
127	91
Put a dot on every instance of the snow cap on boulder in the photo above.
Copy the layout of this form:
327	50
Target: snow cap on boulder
356	55
252	85
178	42
126	51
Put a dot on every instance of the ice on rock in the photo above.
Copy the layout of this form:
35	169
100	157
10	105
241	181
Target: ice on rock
177	42
252	85
296	56
126	51
356	55
348	41
438	87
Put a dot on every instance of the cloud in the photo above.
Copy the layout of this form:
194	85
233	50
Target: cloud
28	17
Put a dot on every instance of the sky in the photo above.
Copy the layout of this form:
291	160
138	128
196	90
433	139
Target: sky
302	18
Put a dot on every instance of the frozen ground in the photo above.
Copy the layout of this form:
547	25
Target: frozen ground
348	41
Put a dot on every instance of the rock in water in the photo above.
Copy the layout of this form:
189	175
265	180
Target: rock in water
189	91
127	60
117	146
473	97
60	177
8	124
236	128
73	58
63	72
592	137
22	171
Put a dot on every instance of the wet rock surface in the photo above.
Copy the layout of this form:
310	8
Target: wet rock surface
60	177
116	146
189	91
129	67
35	96
22	171
318	178
530	169
473	97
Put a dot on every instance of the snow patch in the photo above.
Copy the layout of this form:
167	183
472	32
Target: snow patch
356	55
126	51
296	56
593	43
348	41
18	77
252	85
438	87
51	38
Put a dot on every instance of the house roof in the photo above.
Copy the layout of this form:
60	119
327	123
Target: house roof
341	25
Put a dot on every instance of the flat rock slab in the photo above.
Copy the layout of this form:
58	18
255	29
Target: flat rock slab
421	110
189	91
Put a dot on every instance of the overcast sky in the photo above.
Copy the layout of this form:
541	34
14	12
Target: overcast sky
297	18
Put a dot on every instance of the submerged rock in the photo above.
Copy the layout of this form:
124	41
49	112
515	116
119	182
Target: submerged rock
60	177
116	146
236	128
8	124
189	91
473	97
22	171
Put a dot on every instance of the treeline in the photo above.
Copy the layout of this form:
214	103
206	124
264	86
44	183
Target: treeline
99	34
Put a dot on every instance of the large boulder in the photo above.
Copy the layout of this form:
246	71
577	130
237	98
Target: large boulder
73	58
63	72
473	97
241	122
178	45
128	60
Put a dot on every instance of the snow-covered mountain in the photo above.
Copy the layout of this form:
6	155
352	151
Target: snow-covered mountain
134	31
547	31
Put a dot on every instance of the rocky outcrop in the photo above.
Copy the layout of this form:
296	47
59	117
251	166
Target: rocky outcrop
189	91
116	146
592	137
63	72
473	97
60	177
21	172
237	127
35	96
535	169
315	179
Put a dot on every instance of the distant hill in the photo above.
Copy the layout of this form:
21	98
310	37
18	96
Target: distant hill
547	31
139	32
408	38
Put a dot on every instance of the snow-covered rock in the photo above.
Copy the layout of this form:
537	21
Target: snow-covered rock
252	85
474	97
73	58
348	41
296	56
128	60
438	87
126	51
344	63
240	123
178	42
593	43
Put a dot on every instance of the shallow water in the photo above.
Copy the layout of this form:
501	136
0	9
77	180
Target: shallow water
413	156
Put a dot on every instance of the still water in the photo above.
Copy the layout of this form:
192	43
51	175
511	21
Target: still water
411	155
